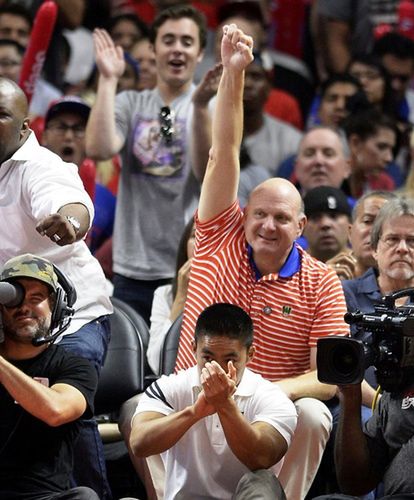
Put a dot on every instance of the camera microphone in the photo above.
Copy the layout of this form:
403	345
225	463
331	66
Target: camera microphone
11	294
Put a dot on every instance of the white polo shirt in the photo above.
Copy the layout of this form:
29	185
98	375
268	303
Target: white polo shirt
201	465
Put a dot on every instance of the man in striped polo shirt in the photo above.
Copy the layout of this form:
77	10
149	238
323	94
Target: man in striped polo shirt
249	258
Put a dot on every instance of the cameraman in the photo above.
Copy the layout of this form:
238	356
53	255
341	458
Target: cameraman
44	389
392	241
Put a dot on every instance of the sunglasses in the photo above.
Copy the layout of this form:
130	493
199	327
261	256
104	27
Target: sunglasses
167	124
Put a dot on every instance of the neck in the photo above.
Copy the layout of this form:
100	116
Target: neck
168	93
10	350
390	285
268	264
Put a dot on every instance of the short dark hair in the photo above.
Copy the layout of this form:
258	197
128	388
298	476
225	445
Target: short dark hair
385	195
338	78
225	320
178	12
133	18
367	123
393	208
396	44
18	10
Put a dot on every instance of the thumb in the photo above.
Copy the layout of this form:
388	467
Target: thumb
232	374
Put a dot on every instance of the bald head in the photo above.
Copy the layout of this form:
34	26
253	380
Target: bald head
11	90
14	122
280	187
274	219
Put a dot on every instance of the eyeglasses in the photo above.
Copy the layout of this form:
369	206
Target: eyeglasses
62	128
167	124
393	241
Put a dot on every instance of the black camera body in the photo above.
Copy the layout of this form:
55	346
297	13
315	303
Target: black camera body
390	348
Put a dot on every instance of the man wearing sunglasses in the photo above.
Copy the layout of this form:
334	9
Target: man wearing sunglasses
152	131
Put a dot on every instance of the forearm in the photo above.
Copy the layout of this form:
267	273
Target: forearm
352	457
40	401
221	179
79	212
200	139
242	438
150	437
101	138
307	386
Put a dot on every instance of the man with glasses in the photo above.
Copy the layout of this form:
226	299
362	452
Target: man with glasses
155	134
392	241
64	132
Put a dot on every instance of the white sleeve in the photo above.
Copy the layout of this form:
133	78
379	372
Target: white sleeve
159	324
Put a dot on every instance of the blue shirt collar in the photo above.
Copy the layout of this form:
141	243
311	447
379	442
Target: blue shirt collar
289	268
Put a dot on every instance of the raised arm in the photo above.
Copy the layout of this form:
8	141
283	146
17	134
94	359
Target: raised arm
102	140
221	179
55	405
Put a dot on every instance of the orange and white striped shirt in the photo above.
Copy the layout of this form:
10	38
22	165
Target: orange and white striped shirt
290	309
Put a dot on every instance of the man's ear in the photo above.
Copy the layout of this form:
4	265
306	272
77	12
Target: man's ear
301	225
25	127
194	345
250	353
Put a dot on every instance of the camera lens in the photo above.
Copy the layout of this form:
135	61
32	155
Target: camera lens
344	360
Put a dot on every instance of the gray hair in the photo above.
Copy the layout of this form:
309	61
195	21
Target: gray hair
385	195
396	207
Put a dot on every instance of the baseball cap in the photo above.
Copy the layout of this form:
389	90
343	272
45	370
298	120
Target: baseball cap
326	199
68	104
30	266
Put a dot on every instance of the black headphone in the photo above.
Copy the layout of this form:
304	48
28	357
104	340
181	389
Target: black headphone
65	297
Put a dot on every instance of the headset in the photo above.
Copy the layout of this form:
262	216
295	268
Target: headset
65	297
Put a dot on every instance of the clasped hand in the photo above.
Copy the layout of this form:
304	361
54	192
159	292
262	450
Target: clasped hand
218	388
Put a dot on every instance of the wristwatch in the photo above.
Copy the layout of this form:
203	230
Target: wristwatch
74	222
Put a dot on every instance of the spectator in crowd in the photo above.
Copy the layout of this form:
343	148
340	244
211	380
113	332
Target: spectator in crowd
252	262
143	52
45	209
329	217
151	131
169	299
397	56
376	83
217	401
349	265
331	105
127	29
45	389
16	24
268	141
321	160
372	139
64	134
11	57
393	250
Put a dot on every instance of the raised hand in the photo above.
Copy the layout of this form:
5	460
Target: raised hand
109	57
218	386
344	264
208	86
236	48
